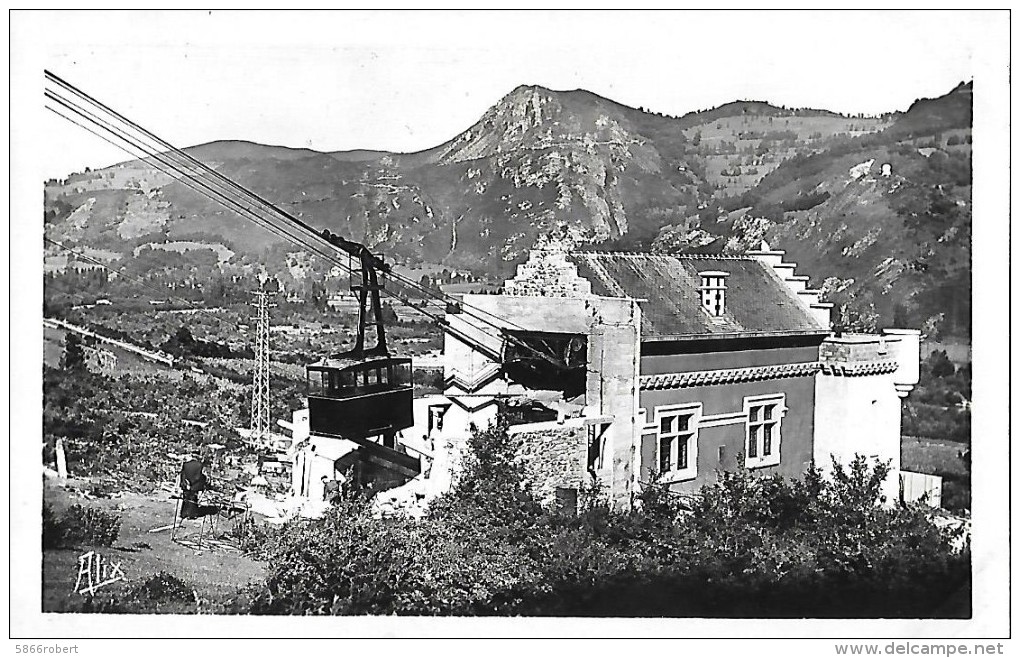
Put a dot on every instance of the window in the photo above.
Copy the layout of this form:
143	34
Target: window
764	421
316	382
401	374
677	442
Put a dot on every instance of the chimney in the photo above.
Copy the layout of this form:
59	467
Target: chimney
713	292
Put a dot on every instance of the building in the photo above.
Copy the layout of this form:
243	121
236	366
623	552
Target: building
631	368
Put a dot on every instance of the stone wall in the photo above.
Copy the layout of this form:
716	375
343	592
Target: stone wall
547	273
553	457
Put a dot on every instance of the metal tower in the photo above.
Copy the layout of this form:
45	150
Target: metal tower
260	379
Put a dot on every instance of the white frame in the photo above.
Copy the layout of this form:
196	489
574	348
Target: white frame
694	411
760	459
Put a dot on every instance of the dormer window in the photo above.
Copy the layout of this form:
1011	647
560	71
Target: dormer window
713	292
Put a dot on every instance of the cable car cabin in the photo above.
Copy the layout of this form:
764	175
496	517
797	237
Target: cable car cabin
358	398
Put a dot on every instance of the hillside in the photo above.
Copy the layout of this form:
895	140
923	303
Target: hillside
883	219
539	160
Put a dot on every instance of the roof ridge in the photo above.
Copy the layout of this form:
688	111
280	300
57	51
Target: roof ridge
716	256
654	255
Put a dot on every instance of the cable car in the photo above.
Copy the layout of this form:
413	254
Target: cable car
365	395
351	397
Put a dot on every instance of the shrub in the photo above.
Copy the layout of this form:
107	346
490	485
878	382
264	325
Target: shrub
257	540
52	530
74	356
159	593
939	364
164	587
748	546
89	525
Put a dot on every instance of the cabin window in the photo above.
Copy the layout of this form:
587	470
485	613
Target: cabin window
401	375
677	442
763	429
316	382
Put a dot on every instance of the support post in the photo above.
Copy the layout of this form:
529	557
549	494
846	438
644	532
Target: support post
61	460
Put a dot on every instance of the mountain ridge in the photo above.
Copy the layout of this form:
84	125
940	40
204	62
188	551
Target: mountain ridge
540	160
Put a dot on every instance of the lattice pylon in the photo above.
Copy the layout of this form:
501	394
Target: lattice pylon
260	378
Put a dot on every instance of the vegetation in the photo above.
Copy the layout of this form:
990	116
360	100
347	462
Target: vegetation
949	460
749	546
164	587
160	593
183	343
939	405
936	428
129	439
79	526
73	357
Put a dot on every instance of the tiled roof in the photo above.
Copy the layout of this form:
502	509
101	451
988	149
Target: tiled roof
757	301
728	376
861	368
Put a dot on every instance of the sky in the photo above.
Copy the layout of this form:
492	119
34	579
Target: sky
406	81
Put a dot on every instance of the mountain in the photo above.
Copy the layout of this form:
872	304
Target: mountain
884	219
610	175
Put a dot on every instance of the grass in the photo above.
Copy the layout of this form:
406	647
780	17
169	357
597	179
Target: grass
216	577
940	457
933	456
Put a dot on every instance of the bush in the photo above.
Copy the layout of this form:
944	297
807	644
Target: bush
52	530
86	526
164	587
749	546
159	593
73	357
257	540
428	380
940	365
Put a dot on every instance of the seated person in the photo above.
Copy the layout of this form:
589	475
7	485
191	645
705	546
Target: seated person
192	481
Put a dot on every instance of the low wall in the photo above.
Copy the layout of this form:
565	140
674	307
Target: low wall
915	486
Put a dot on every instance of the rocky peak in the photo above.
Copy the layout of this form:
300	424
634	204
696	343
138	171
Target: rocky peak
508	125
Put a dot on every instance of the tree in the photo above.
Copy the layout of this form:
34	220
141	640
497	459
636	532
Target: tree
74	355
901	315
940	365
